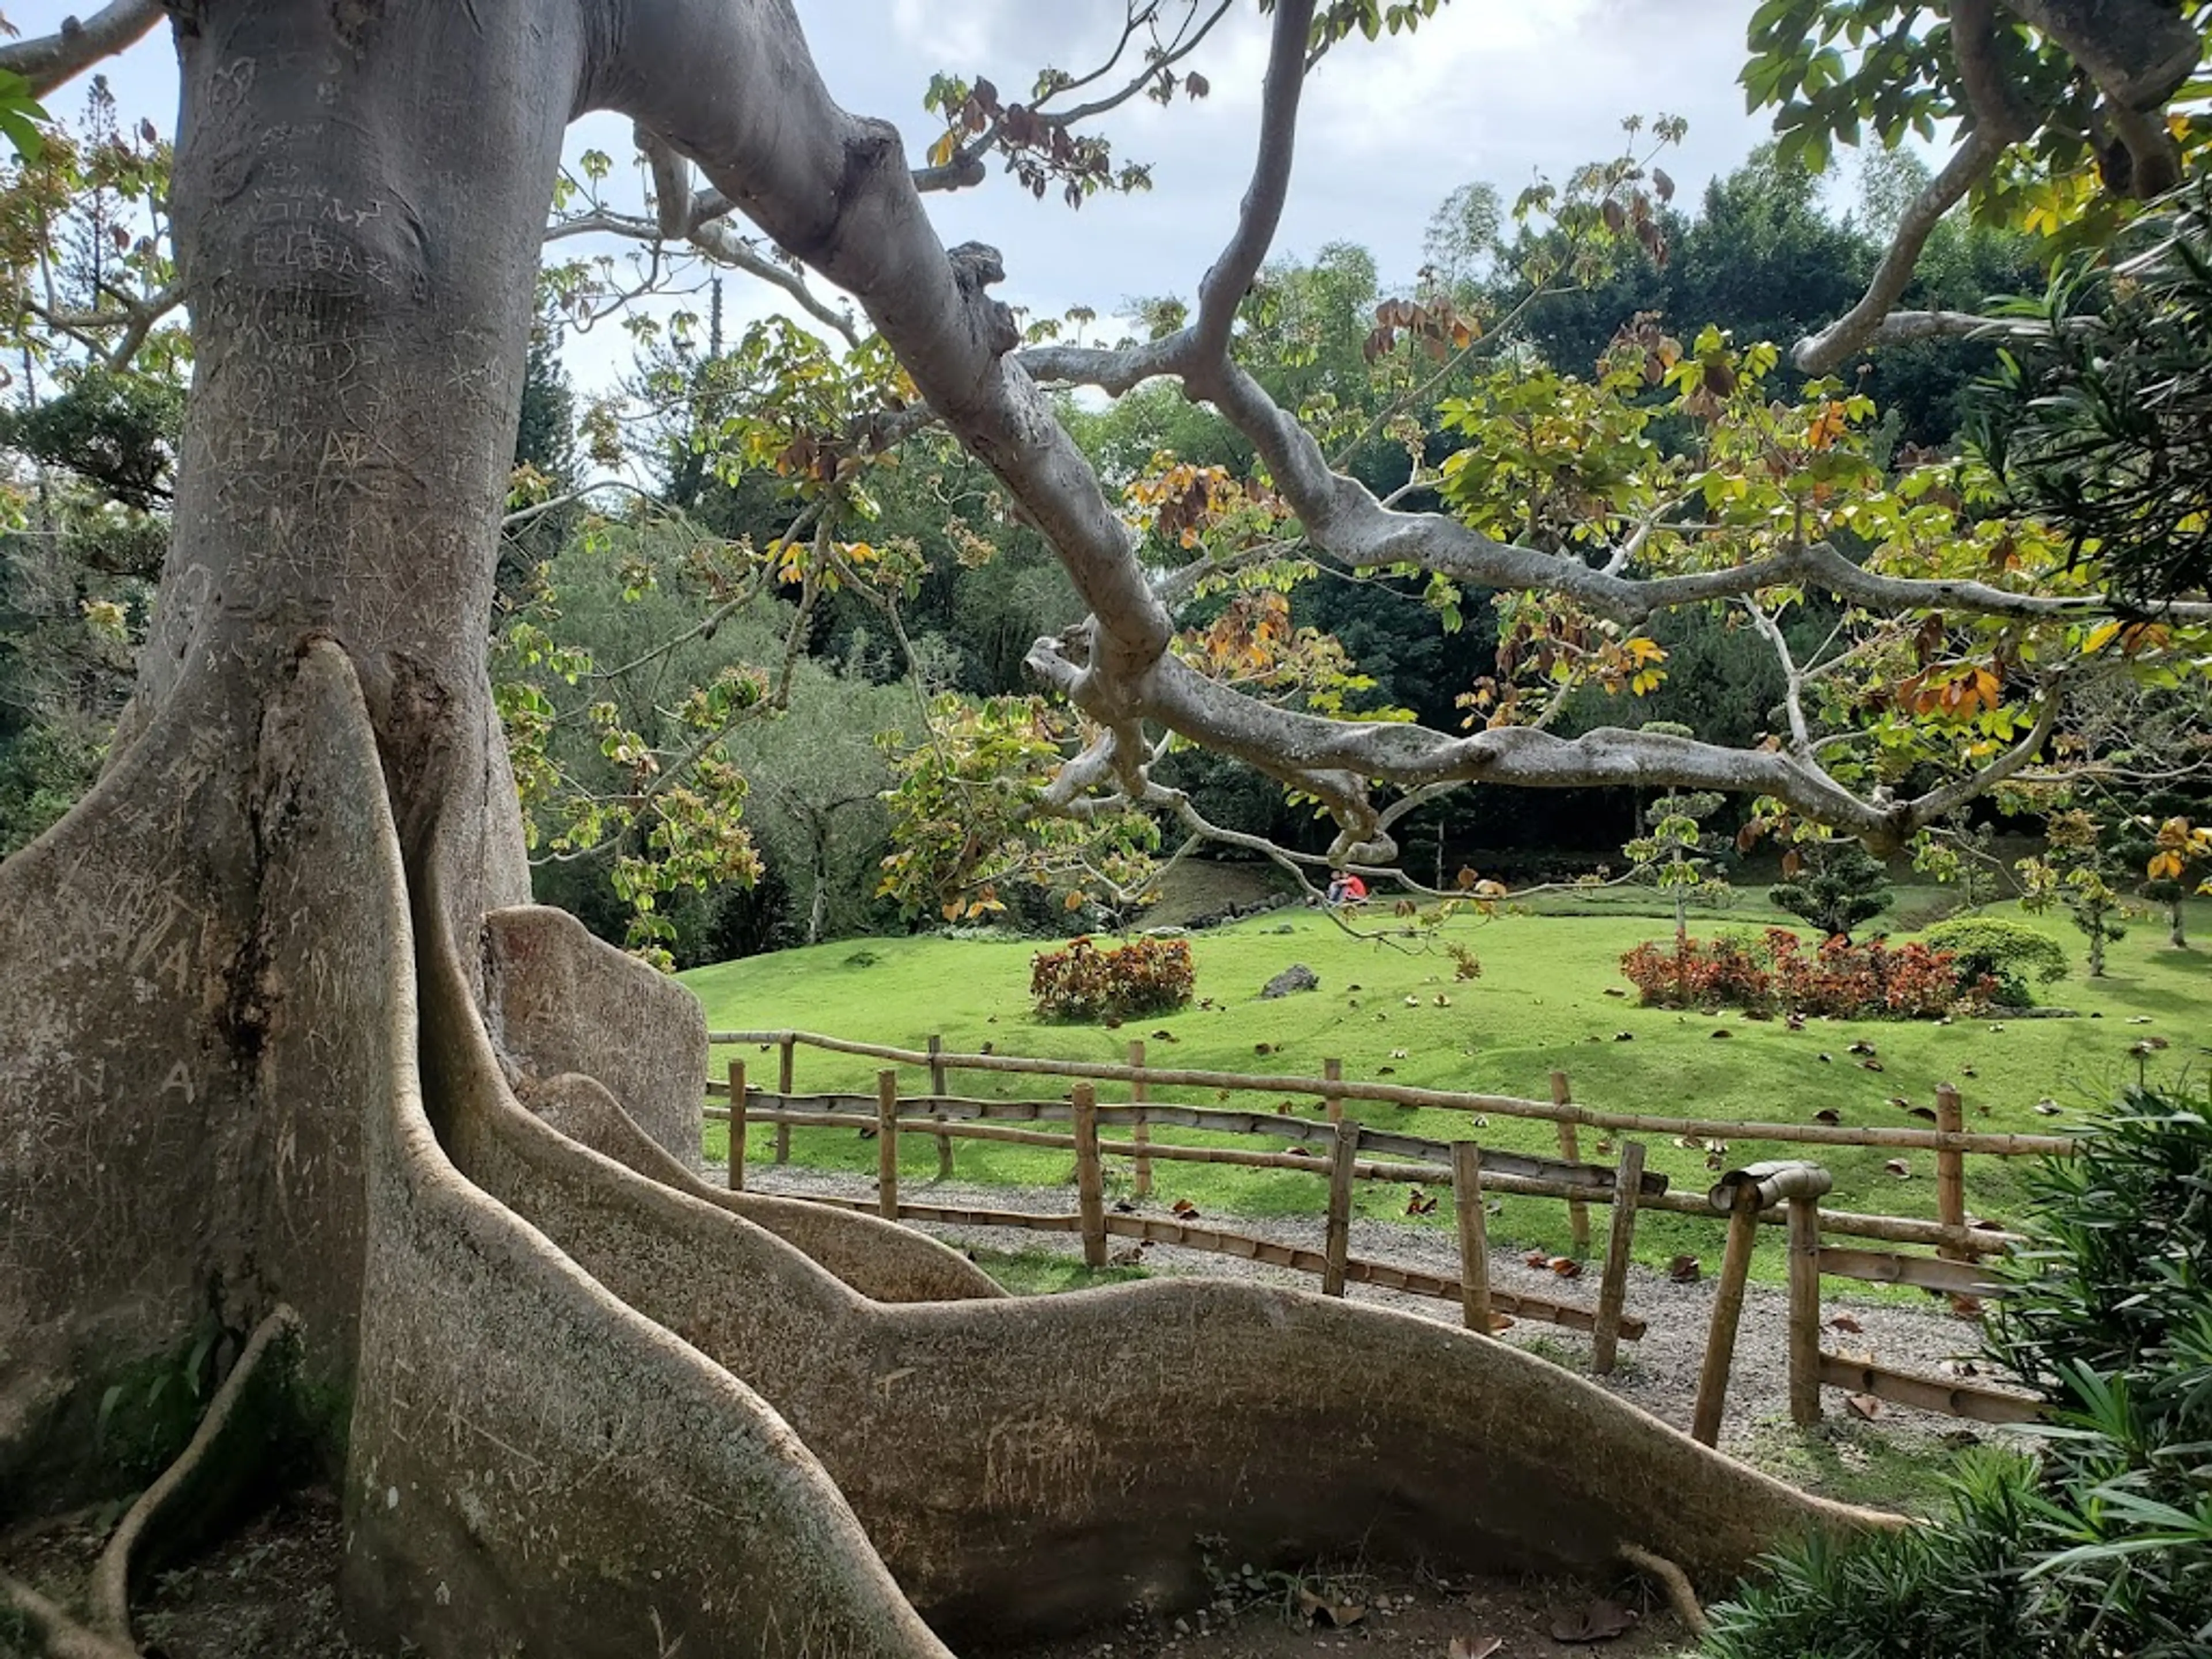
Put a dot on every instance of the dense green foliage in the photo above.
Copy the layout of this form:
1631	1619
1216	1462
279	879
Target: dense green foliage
2103	1545
1840	886
2101	424
2014	957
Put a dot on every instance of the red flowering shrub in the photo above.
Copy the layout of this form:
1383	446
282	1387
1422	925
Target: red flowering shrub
1081	982
1838	979
1720	973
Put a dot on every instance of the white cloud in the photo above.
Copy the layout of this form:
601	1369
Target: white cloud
1490	89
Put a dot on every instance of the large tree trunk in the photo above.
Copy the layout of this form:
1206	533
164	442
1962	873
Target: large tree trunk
358	196
262	1043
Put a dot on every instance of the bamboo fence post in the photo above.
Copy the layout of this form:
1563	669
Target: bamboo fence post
1628	1187
786	1064
1332	1071
1804	1310
1577	1211
1140	1132
1336	1247
1728	1313
887	1144
1090	1187
1950	1170
1473	1246
736	1126
937	1088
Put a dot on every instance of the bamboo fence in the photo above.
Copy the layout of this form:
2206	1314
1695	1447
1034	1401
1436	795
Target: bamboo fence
1331	1146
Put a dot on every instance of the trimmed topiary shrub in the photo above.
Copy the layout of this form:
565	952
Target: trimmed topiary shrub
2010	954
1082	982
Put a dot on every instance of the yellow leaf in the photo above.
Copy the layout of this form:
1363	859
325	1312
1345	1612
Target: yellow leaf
940	153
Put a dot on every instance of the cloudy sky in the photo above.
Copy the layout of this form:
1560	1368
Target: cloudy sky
1497	90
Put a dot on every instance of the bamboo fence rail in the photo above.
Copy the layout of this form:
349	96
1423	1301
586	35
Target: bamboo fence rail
1559	1111
1330	1148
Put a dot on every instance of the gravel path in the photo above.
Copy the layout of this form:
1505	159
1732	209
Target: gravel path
1659	1372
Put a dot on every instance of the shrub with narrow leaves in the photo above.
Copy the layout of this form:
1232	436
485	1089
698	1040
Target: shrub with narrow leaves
1080	981
2101	1547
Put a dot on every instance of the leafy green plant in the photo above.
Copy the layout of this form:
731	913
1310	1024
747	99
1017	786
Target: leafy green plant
2104	1546
1838	885
2012	956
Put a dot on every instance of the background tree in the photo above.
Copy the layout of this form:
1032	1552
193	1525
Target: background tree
1837	885
2080	872
1678	855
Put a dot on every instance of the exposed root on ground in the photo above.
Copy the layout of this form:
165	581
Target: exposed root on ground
1680	1592
209	1470
62	1637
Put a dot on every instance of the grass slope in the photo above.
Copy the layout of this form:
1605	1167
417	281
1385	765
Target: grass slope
1540	1005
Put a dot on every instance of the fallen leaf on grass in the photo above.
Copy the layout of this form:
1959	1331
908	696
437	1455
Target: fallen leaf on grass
1685	1269
1967	1307
1872	1064
1864	1405
1723	1034
1565	1267
1827	1114
1599	1621
1537	1259
1474	1647
1862	1047
1845	1323
1925	1114
1165	1035
1183	1207
1900	1168
1623	1036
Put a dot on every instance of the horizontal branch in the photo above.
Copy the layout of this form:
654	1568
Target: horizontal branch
48	60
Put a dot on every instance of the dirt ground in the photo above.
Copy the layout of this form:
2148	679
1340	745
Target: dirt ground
269	1592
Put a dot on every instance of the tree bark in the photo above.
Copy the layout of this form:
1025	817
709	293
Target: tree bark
358	195
246	1055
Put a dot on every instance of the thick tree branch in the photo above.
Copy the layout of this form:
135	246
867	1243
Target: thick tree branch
833	189
1998	123
1223	288
2139	52
51	59
731	86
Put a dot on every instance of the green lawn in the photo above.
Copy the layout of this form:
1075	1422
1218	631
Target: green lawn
1539	1004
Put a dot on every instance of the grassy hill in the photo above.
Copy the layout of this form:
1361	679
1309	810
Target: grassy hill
1541	1003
